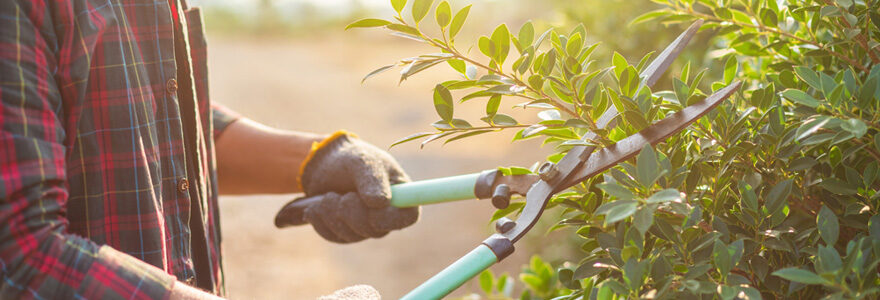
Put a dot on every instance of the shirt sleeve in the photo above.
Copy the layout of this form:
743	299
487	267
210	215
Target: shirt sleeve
221	118
38	258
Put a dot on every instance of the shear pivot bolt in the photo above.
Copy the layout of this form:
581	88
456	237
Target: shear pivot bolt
501	197
504	225
548	172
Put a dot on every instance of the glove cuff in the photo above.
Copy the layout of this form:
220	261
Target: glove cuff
317	148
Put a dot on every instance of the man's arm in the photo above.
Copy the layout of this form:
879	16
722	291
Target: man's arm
255	159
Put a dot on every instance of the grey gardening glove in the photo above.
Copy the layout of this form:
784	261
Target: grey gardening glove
354	178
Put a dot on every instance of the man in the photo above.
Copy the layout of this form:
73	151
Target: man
107	156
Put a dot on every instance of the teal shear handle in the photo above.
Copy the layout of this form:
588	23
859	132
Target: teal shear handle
454	275
446	189
434	190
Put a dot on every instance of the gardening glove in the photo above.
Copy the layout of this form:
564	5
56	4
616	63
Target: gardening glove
357	292
354	179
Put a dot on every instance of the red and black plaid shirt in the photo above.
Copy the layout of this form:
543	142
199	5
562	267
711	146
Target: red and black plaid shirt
106	150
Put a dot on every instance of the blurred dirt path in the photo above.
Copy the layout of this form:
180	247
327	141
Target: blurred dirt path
313	84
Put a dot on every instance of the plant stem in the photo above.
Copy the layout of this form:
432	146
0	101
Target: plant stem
516	80
779	32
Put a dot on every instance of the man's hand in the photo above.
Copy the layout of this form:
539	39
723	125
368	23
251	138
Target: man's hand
354	179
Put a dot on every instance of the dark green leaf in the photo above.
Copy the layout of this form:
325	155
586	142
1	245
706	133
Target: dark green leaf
748	196
837	186
809	76
800	97
443	102
799	275
644	218
778	196
492	105
616	190
663	196
647	166
826	223
617	210
855	126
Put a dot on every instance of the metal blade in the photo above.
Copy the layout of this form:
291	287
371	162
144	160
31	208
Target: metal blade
539	194
624	149
652	73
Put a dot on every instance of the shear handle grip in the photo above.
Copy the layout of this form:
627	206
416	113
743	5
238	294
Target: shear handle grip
409	194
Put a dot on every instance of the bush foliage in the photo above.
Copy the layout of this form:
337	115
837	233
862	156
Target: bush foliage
772	195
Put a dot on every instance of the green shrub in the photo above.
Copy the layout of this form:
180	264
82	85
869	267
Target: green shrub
773	194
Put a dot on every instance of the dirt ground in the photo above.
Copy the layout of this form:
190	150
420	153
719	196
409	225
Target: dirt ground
313	84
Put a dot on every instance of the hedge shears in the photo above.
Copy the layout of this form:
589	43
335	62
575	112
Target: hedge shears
579	164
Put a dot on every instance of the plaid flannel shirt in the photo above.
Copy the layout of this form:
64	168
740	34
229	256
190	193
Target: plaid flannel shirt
107	175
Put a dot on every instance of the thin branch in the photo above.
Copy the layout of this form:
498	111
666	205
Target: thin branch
782	33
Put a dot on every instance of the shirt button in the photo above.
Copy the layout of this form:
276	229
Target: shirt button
171	86
183	185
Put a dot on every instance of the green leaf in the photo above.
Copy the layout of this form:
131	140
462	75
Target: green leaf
802	163
501	38
616	190
526	35
778	196
443	102
749	198
682	91
458	21
828	260
377	71
799	275
410	138
619	63
644	218
874	226
826	223
443	14
663	196
617	210
367	23
502	120
730	68
800	97
487	281
721	256
768	17
404	29
492	105
398	5
809	76
837	186
420	9
649	16
467	134
855	126
574	45
647	166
